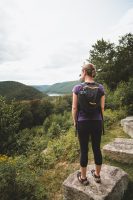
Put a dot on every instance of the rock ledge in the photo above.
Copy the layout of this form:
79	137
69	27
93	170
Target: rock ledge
113	185
127	124
120	150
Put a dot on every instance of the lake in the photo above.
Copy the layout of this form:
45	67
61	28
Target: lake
54	94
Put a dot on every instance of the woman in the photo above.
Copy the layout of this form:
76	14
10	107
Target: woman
88	125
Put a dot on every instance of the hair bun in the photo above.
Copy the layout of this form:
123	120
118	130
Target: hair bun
90	69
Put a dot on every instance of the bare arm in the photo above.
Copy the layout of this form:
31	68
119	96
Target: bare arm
74	108
102	103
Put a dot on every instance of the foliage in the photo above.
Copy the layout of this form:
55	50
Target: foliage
124	62
64	148
40	110
56	124
124	94
62	103
23	141
15	90
30	141
109	104
27	120
35	112
54	130
111	117
114	63
9	124
18	182
103	56
121	98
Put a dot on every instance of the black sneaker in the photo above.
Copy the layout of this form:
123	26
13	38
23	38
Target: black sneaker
96	178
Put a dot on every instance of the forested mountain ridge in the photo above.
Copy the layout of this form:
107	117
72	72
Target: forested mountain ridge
62	88
41	88
19	91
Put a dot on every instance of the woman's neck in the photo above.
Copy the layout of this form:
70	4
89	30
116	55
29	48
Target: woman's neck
89	79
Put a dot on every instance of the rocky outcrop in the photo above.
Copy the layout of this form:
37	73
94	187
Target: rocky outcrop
120	150
113	184
127	124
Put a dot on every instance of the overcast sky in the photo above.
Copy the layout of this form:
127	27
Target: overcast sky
47	41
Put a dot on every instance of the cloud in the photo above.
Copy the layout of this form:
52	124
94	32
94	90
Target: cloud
12	47
69	55
124	26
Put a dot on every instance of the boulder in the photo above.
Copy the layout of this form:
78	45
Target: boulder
120	150
127	119
114	182
127	124
128	128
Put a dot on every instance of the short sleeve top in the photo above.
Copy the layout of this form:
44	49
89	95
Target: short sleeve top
82	115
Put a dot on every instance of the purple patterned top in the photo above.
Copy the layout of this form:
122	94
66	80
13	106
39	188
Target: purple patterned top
81	115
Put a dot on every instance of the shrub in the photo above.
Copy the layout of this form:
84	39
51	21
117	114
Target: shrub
66	147
109	103
29	141
111	117
62	103
18	182
54	130
123	96
9	125
56	124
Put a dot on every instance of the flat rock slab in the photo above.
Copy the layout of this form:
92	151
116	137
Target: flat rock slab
114	182
127	124
128	128
120	150
127	119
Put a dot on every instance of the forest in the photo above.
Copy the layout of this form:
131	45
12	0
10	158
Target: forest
38	147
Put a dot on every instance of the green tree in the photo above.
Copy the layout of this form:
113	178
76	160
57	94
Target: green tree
62	103
114	63
9	124
103	55
54	130
26	116
123	69
40	110
123	96
56	124
17	181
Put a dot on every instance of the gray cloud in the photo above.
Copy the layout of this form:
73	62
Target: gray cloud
69	55
11	49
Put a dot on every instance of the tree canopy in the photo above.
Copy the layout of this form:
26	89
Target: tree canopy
114	63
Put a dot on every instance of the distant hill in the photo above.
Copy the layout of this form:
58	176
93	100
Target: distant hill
41	88
19	91
60	88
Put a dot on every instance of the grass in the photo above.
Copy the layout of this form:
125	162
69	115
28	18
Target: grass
53	178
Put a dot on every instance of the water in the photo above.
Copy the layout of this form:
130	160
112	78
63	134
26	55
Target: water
54	94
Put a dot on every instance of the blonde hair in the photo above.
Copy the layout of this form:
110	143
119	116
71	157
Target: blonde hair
90	69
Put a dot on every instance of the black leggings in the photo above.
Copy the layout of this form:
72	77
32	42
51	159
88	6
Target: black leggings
91	128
